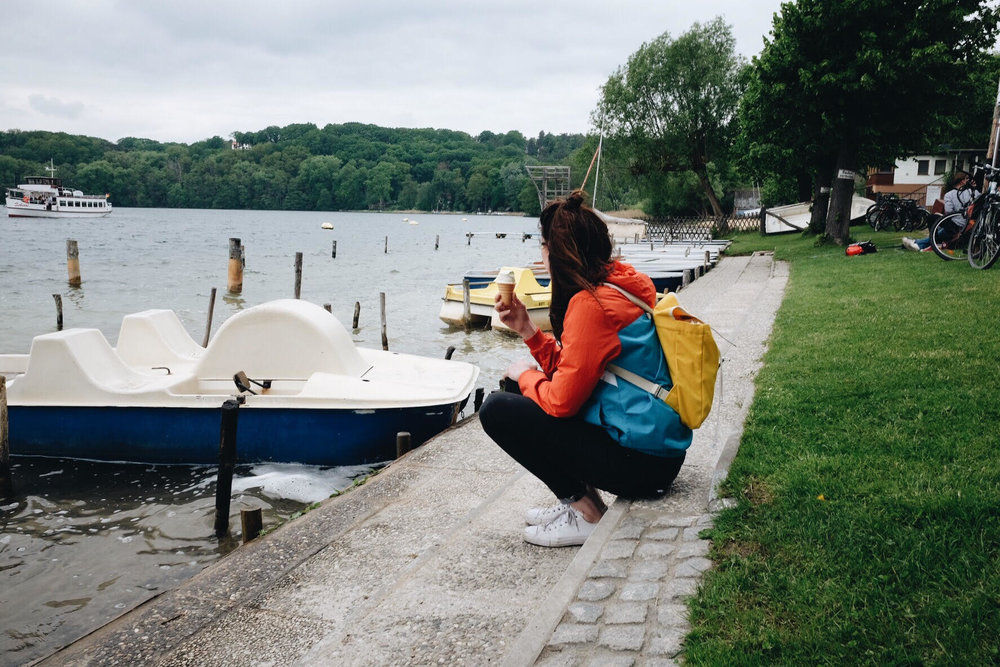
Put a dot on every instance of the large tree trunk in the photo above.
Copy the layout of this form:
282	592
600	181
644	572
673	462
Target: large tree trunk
821	195
706	185
838	218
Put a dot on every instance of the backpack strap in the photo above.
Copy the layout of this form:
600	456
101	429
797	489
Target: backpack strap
655	389
631	297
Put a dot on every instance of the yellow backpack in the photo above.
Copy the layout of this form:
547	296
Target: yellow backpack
692	359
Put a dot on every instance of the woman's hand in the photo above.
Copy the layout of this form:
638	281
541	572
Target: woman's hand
515	316
516	368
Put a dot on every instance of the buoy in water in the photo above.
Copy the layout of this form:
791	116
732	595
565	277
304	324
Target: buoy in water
327	225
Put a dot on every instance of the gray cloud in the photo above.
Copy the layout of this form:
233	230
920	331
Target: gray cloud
51	106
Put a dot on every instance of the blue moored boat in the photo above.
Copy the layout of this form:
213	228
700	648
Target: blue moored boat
307	394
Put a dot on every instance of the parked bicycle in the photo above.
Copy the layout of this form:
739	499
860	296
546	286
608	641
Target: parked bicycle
900	214
984	213
880	214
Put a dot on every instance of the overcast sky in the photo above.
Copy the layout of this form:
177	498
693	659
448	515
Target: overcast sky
181	70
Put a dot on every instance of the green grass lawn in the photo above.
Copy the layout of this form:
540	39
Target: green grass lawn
868	477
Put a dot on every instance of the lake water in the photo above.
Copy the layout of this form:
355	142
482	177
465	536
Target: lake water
83	542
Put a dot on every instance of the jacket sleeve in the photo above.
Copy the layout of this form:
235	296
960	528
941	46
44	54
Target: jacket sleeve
570	373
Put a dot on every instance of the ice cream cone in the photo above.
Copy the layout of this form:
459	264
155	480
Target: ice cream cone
505	284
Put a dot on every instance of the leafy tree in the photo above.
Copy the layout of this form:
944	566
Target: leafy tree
669	108
848	83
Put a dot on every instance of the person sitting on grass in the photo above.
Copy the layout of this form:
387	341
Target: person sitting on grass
963	192
566	420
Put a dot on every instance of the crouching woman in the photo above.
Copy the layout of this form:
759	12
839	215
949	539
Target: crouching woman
574	425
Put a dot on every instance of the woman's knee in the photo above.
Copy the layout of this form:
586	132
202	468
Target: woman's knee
500	410
492	411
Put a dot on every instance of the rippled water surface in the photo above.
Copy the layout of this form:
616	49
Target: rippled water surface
83	542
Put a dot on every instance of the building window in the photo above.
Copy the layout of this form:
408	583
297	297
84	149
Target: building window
940	166
922	167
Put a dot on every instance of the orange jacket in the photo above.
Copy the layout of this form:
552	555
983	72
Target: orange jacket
569	372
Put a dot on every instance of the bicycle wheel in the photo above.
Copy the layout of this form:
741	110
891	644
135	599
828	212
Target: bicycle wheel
871	214
946	237
984	247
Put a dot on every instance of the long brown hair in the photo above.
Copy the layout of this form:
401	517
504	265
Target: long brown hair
579	252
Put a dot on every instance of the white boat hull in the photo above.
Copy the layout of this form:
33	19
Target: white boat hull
19	209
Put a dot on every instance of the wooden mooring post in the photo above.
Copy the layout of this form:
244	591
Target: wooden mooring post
6	483
466	302
227	461
208	322
235	283
251	521
403	444
381	307
437	240
73	263
333	254
59	316
357	314
298	275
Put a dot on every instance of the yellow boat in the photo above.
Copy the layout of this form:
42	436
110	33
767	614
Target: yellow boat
535	297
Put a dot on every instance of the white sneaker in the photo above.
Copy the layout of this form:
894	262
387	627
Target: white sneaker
910	244
566	530
537	516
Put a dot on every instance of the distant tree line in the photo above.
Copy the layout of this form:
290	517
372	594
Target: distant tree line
352	166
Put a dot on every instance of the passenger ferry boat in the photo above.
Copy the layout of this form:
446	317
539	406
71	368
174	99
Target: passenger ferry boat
45	197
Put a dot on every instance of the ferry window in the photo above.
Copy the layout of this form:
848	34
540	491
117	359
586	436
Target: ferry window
940	166
923	167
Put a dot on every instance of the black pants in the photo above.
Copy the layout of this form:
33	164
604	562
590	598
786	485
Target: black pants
567	453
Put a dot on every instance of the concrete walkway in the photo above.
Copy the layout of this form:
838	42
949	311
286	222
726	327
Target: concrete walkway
424	564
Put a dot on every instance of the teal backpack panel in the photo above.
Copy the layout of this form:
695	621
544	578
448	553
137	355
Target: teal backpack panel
632	416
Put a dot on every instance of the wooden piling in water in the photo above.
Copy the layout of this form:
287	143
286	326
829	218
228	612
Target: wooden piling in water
208	321
402	443
386	251
381	307
437	239
357	314
466	302
334	253
227	461
6	482
251	521
298	275
235	282
468	238
59	317
73	263
450	351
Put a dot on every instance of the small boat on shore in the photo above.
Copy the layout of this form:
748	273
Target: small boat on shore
307	394
535	297
45	197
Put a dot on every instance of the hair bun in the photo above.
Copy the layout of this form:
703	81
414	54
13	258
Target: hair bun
574	200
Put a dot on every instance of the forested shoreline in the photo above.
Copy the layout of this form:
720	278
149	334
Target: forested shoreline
302	167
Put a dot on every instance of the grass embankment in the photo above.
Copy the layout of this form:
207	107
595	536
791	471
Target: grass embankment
868	478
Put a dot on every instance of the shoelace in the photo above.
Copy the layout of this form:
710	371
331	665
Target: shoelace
571	519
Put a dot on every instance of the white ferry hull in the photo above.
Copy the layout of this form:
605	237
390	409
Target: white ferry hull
18	209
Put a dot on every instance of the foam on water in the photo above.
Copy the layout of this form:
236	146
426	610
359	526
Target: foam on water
301	483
